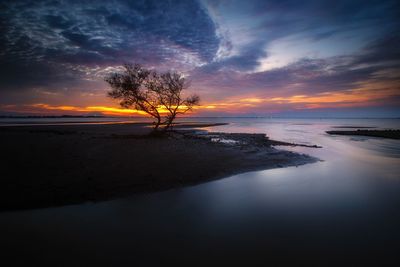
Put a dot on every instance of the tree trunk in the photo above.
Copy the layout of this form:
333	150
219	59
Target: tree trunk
169	122
157	124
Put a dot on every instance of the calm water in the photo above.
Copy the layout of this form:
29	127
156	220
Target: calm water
343	210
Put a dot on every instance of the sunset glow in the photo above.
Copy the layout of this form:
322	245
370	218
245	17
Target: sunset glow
241	58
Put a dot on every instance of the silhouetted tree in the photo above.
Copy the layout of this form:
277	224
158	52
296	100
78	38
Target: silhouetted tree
158	95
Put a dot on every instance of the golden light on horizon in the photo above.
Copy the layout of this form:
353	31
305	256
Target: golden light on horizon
364	94
105	109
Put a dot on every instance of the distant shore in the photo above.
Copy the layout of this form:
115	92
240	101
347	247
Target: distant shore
391	134
57	165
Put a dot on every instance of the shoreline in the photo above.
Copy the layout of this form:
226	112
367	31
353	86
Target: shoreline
57	165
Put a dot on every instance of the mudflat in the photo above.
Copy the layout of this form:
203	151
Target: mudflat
55	165
391	134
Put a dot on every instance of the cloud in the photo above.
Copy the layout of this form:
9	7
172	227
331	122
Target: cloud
312	76
229	49
50	35
324	28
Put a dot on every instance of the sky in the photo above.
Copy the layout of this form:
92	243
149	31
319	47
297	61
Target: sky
243	58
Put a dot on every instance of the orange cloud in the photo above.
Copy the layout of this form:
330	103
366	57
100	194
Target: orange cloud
364	94
102	109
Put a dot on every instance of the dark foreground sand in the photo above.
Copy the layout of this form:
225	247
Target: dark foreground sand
44	166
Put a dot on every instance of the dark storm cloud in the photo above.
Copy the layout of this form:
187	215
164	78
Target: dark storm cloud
247	59
57	34
386	49
223	45
57	22
355	40
339	21
312	76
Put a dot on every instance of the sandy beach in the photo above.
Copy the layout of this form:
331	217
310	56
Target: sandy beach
45	166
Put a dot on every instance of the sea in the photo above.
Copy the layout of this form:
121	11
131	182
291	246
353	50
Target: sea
343	210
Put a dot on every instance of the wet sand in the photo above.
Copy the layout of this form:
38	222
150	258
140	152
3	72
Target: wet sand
45	166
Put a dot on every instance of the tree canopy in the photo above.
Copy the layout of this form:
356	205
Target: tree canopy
157	94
